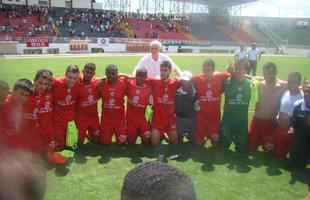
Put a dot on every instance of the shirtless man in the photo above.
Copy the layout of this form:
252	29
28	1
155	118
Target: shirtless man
264	122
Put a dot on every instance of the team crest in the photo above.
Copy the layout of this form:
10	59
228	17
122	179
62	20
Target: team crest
165	97
112	94
90	98
111	101
209	85
135	99
68	98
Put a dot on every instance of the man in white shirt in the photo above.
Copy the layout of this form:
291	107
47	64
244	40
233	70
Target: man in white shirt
253	56
240	54
284	135
151	62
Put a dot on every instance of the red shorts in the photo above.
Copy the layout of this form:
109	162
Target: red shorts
262	132
207	128
60	134
89	128
165	127
284	142
48	137
108	127
135	128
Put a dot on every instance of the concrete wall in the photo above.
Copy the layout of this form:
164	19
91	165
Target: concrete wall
20	2
81	4
58	3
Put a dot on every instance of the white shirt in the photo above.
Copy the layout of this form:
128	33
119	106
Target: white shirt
153	66
240	54
252	54
288	101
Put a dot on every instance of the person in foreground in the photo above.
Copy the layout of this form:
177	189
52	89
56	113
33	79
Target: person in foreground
157	180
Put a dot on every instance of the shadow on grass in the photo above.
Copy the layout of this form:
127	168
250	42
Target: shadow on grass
302	176
208	157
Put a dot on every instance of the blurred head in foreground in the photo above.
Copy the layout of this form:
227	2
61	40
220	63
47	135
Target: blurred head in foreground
155	181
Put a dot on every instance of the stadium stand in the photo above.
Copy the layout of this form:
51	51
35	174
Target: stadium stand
294	35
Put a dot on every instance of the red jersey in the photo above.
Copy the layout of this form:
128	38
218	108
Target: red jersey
137	99
30	123
164	98
64	100
209	93
12	122
87	101
45	115
113	99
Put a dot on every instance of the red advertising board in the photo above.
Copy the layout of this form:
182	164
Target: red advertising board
37	42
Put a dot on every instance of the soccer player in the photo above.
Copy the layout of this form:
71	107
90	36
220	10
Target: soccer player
65	91
210	87
157	181
264	122
186	97
138	94
301	123
254	55
153	60
13	115
112	92
238	92
164	119
285	136
87	119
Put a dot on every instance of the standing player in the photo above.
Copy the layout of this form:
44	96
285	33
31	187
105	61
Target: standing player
210	88
65	91
87	119
264	122
253	55
301	123
284	135
238	92
13	115
138	94
152	61
112	92
240	54
164	119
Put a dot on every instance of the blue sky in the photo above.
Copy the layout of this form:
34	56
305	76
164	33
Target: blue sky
267	8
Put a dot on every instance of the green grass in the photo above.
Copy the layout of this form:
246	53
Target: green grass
98	171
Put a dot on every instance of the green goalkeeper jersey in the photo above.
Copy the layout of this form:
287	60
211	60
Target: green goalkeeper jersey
237	99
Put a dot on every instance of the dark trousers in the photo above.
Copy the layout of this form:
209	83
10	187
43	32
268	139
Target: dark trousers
253	66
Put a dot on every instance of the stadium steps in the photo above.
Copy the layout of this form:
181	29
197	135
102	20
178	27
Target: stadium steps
237	34
261	38
294	35
190	36
207	30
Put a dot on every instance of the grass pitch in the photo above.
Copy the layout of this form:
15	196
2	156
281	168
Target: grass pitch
97	171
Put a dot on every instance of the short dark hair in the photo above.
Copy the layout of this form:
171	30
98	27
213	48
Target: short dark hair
73	69
142	70
297	74
209	62
92	66
166	63
44	73
22	175
270	65
23	84
155	181
112	66
244	63
4	86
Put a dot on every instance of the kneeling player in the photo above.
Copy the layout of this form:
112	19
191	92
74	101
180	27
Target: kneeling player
138	94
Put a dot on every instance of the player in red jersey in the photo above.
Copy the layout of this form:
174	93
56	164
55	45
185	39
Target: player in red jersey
210	88
138	94
87	119
164	119
65	91
13	135
112	91
4	91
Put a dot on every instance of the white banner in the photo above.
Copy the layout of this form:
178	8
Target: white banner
103	41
